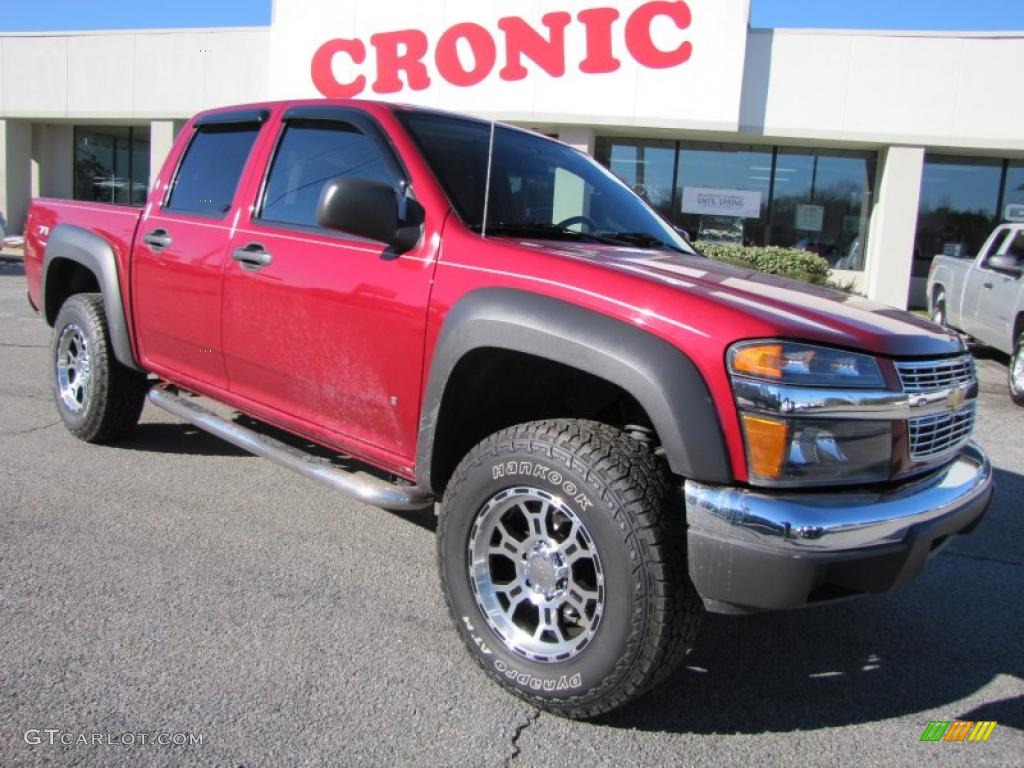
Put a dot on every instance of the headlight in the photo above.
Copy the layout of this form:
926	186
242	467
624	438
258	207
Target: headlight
791	363
787	448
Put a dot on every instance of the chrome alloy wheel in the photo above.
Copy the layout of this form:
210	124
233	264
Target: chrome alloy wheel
73	370
536	574
1017	369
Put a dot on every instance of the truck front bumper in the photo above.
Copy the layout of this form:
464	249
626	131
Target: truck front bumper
753	550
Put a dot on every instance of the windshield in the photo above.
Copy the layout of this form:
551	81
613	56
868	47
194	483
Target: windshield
538	187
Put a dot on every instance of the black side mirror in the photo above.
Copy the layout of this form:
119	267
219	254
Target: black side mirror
1004	262
369	209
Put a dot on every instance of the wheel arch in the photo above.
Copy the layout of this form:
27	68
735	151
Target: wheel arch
661	379
72	254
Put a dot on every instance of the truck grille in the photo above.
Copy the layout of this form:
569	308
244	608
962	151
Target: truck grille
931	375
932	436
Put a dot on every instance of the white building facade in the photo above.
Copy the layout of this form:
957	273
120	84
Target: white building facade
875	150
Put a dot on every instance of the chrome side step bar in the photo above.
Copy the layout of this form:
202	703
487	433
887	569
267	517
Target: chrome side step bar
358	485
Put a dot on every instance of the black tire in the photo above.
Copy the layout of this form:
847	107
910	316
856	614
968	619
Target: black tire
938	315
104	404
633	519
1015	374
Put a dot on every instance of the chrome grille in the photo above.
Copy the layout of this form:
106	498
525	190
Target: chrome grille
930	375
932	436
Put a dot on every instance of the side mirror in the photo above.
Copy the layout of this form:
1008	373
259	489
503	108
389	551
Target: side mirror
361	207
1004	262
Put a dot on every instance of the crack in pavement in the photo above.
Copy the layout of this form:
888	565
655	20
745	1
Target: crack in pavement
23	346
30	429
531	718
982	558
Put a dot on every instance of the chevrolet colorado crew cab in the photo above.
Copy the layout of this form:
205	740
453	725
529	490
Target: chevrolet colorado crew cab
984	297
617	433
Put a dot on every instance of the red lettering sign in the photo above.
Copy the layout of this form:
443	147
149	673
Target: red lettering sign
402	52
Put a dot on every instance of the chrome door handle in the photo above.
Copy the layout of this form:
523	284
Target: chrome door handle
252	256
987	285
157	240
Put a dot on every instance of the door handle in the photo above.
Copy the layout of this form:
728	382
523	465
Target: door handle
157	240
252	256
987	285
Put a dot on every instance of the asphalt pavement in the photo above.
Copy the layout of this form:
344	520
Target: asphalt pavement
174	588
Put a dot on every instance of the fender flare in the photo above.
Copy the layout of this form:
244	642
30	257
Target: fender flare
664	381
81	246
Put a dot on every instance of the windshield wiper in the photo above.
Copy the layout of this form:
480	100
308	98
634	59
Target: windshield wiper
641	240
549	231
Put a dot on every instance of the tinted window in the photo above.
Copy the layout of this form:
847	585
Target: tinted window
457	153
309	155
997	241
208	175
1016	246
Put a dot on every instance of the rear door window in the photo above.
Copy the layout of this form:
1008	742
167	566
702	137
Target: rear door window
209	172
311	153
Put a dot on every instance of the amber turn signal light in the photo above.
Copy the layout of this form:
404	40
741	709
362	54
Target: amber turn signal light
767	442
763	361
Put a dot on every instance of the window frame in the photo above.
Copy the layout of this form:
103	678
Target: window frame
239	118
365	124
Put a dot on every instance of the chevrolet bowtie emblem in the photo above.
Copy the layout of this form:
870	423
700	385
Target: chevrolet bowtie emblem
956	398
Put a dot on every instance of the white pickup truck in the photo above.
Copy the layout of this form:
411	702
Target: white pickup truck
984	298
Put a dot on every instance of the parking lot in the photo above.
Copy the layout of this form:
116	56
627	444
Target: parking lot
173	584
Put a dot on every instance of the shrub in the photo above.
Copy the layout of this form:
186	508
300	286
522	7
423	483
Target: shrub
772	259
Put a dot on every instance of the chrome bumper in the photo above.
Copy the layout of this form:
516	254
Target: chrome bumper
740	539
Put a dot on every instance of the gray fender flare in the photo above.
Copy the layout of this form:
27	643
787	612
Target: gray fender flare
659	375
95	254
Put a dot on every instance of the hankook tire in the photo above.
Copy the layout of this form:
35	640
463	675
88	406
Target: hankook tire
561	547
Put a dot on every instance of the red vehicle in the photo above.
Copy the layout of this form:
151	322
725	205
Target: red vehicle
619	434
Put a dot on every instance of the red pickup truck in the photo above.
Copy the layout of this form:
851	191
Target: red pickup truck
618	433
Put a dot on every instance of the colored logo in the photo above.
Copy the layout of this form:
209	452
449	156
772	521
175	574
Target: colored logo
958	730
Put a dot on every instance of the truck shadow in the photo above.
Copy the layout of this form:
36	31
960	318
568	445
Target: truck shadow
927	647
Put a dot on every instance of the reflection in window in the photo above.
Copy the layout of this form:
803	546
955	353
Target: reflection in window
959	206
645	165
712	178
821	203
111	164
311	154
812	199
1013	190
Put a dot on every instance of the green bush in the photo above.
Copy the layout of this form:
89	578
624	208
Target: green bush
772	259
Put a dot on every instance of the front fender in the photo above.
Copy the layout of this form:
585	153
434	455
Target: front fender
661	377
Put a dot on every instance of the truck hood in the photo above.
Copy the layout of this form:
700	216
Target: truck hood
798	310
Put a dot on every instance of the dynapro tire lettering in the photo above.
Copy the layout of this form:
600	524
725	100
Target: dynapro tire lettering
553	476
525	679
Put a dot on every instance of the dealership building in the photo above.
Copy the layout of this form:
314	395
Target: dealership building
876	150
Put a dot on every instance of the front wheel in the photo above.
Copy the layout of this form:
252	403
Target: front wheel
1016	372
938	315
99	400
562	554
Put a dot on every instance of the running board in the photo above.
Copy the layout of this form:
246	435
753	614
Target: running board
358	485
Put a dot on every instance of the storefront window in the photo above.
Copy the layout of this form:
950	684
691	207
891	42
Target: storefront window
812	199
821	201
959	206
723	192
646	166
1013	190
112	164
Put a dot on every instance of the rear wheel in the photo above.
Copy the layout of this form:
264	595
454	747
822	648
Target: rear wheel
99	400
1016	372
562	555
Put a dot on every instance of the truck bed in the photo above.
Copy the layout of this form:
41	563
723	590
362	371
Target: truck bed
114	223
